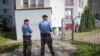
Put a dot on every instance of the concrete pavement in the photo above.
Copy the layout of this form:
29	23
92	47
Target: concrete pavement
61	49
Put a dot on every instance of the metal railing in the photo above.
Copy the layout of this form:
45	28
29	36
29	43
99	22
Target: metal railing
90	36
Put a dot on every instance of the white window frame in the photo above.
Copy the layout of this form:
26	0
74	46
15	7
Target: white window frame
22	4
29	3
36	3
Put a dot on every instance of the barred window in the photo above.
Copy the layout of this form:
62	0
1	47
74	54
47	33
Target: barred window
33	4
25	3
40	3
6	11
69	2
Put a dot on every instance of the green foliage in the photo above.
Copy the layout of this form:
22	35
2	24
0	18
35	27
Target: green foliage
87	49
4	25
1	23
6	36
87	21
3	40
9	35
5	46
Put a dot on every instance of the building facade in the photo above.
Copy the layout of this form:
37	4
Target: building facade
7	8
58	9
95	5
68	9
73	9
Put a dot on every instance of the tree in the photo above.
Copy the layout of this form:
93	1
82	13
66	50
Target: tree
1	23
87	21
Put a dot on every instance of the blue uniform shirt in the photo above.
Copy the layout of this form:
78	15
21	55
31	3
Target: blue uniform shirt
45	27
26	30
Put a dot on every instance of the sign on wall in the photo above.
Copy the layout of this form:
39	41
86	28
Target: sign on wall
34	16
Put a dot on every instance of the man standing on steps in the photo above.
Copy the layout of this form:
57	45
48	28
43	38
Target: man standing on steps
27	43
45	29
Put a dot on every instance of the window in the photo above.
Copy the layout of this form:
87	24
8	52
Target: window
6	11
69	2
68	14
37	3
81	3
25	3
5	1
33	3
40	3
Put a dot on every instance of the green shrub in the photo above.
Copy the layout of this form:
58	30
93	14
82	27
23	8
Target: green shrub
87	21
1	24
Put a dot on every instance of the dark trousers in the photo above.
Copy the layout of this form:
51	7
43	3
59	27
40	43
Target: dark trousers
27	43
46	39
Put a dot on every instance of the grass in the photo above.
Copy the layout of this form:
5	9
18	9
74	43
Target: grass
5	46
86	49
6	36
86	34
9	47
3	40
81	35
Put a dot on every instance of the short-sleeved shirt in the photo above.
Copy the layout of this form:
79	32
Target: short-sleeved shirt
26	30
45	27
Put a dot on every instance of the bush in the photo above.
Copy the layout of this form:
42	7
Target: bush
87	21
1	24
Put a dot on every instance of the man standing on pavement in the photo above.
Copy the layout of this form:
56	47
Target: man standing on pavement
45	29
27	43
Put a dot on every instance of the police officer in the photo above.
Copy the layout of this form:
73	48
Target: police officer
26	38
45	29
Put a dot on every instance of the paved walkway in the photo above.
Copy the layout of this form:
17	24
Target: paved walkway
61	49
